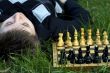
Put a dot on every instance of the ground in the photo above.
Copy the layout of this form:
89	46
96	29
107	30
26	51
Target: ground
39	63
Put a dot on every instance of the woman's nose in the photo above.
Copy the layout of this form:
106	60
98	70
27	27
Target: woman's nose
19	17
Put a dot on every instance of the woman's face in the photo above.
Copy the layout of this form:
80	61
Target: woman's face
18	22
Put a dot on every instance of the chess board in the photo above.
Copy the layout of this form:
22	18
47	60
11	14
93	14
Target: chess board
57	53
97	56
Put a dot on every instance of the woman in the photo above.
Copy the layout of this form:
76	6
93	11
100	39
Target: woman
24	20
48	16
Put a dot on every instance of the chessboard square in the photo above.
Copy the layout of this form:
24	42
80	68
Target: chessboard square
83	49
92	51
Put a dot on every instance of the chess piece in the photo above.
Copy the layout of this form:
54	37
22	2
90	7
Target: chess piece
82	40
105	54
68	40
60	40
87	57
71	56
89	40
75	42
105	38
80	59
98	41
96	58
62	57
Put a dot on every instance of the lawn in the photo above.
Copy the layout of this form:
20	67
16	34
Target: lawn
41	61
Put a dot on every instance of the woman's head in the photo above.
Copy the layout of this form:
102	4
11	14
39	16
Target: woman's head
18	22
17	33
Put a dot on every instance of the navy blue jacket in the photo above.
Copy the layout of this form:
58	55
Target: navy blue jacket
73	16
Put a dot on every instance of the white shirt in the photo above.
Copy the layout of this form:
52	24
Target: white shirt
14	1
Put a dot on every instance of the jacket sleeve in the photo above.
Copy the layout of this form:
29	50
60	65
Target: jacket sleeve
79	17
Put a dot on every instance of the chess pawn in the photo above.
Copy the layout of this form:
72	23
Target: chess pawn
89	40
60	40
75	42
62	57
96	58
71	56
68	41
80	59
87	57
105	54
82	40
98	41
105	38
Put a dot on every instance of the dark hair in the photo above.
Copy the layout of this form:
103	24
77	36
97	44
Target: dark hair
16	42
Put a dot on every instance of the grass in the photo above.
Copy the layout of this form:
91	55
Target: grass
41	61
99	11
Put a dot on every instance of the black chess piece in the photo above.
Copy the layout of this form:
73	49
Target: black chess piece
96	57
62	57
80	59
87	57
105	54
71	56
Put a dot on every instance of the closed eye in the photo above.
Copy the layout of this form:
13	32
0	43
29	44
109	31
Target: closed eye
9	23
25	24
